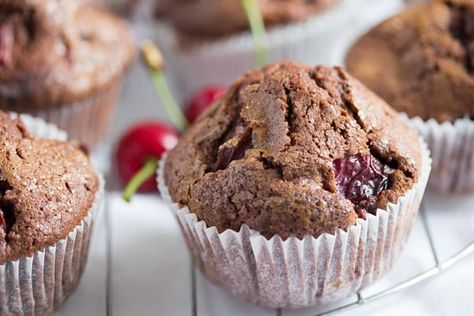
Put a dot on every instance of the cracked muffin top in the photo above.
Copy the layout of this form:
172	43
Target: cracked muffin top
56	52
421	61
214	18
293	150
46	189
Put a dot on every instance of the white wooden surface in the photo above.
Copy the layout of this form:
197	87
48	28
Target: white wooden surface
139	264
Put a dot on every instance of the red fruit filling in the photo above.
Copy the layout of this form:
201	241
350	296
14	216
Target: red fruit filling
361	178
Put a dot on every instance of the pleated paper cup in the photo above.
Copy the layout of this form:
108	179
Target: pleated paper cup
222	60
39	284
301	272
452	149
86	120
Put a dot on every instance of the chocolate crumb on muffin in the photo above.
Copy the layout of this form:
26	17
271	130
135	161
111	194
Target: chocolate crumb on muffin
214	18
292	151
422	60
47	187
57	55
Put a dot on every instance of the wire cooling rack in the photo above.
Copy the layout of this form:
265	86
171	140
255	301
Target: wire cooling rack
437	269
440	266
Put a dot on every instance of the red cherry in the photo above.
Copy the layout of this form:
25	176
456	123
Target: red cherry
202	100
141	142
361	178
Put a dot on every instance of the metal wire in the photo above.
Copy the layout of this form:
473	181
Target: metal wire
424	220
436	270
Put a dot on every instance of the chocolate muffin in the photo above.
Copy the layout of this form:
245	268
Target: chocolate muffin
300	186
291	151
422	60
63	61
47	188
48	192
214	18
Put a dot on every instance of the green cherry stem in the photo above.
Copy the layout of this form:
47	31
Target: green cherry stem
154	60
257	28
148	170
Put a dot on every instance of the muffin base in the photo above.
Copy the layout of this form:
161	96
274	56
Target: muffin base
295	273
86	120
39	284
452	149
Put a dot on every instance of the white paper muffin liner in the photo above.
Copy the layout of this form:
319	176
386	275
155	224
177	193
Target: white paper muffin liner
39	284
298	273
452	150
86	120
221	61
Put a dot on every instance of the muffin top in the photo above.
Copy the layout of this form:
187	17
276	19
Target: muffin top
55	52
214	18
46	189
422	60
293	150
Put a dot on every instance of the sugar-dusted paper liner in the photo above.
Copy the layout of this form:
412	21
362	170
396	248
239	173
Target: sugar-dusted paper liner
86	120
221	61
38	284
452	149
299	273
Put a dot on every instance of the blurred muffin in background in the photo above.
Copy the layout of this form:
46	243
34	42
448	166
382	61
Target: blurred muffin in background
208	42
63	61
214	18
422	62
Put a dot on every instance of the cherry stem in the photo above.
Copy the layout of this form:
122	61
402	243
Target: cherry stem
257	27
154	60
148	170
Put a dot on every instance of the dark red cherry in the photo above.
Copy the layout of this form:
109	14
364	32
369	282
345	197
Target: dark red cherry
143	141
361	178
